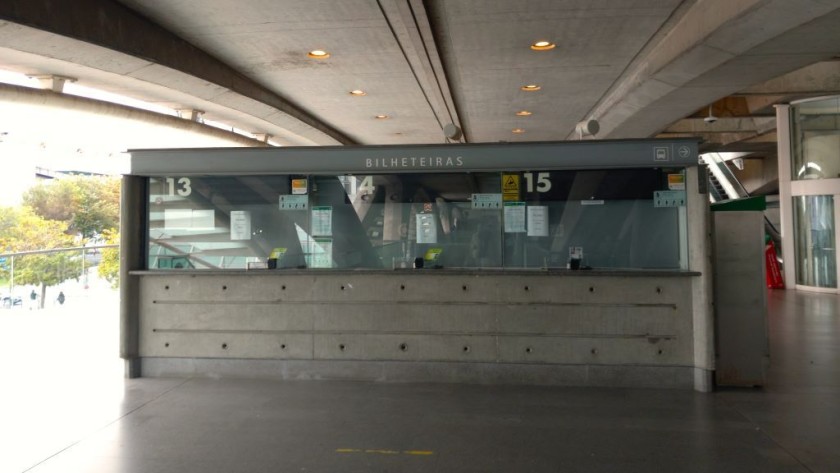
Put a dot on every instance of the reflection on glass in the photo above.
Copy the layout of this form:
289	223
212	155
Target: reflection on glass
816	140
452	220
816	255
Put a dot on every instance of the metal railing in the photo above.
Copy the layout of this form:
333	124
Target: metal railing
11	257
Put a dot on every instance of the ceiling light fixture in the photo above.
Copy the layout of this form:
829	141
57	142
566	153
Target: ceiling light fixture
589	127
318	54
517	131
358	93
523	113
711	118
543	46
381	117
530	88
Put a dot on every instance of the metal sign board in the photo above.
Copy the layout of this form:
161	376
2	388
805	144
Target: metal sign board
560	155
669	199
487	201
294	202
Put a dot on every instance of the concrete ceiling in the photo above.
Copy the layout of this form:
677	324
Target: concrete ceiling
643	68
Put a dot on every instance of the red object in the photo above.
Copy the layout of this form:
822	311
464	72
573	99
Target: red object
774	272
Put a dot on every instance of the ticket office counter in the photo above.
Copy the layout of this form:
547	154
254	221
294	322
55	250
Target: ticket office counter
549	263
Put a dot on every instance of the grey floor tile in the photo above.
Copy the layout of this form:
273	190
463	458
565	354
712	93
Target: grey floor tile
76	424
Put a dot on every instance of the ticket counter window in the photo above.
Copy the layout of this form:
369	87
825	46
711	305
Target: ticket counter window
384	221
606	219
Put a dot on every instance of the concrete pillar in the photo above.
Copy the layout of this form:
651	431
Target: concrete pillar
132	256
700	260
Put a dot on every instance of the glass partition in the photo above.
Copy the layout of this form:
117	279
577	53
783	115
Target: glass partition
816	140
599	219
816	254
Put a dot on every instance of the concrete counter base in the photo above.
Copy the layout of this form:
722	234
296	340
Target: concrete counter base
524	328
680	377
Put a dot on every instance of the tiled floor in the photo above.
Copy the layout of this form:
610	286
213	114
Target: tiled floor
101	423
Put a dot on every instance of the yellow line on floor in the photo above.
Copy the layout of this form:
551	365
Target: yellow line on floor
385	452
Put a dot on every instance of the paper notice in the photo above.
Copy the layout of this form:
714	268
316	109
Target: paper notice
240	225
514	217
538	221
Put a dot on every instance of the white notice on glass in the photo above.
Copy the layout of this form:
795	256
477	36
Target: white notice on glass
426	228
240	225
514	217
294	202
320	253
538	221
486	201
322	221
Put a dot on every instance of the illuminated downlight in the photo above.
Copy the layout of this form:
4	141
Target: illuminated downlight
530	88
318	54
543	46
523	113
381	117
358	93
517	131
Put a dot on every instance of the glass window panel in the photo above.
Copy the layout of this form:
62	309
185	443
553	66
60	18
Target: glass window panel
816	254
332	222
816	140
452	220
607	215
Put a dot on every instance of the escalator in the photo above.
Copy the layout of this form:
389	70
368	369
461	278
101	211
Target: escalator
724	185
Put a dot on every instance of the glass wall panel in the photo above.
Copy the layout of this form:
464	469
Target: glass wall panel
816	254
374	221
454	220
816	140
607	218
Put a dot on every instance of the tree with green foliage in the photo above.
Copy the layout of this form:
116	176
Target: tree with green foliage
109	266
89	204
21	230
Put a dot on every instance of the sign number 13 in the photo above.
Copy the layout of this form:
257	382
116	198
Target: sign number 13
183	187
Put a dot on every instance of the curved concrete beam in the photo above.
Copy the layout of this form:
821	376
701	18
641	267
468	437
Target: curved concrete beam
716	48
113	26
47	98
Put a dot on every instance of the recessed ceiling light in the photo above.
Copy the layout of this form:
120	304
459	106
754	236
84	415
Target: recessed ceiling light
543	46
523	113
381	117
318	54
358	93
530	87
518	131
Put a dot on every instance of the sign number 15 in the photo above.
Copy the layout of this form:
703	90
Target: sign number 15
542	184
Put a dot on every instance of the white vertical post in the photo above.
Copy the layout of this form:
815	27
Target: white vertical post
783	141
683	235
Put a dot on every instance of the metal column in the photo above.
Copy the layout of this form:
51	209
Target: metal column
132	255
